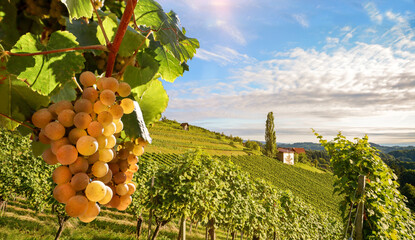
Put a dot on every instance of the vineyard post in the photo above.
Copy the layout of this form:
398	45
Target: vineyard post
151	211
182	230
139	225
360	208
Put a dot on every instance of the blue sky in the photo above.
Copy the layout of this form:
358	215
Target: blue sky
338	65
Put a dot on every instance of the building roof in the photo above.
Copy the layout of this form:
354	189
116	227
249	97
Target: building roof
285	150
184	124
298	150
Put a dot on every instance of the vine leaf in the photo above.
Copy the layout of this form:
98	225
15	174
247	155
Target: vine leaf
131	40
148	92
170	67
153	101
134	125
79	8
67	92
8	29
18	100
85	32
137	77
45	72
147	59
38	148
167	25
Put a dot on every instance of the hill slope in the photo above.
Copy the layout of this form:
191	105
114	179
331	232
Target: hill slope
169	137
314	187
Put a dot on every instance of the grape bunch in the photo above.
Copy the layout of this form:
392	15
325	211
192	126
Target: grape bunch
94	169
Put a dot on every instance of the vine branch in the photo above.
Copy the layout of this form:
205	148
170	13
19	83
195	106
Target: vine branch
107	41
94	47
122	28
133	57
14	120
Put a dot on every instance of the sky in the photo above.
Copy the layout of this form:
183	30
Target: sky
334	65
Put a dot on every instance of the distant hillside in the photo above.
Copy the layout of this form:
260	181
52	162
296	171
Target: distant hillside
305	145
404	155
169	137
317	146
388	149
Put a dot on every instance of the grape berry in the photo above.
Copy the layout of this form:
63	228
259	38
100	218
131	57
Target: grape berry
82	135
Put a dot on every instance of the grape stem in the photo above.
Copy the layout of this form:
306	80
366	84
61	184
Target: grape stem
94	47
77	84
14	120
122	28
133	57
101	25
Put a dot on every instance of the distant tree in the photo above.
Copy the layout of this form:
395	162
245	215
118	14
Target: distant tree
252	145
409	191
237	139
270	137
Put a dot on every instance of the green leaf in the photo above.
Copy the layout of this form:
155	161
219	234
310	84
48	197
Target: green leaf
167	29
148	92
67	92
24	131
8	28
38	148
134	125
132	39
147	59
153	100
138	77
170	67
79	8
85	33
45	72
19	101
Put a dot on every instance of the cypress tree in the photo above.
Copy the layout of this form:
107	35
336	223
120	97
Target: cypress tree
270	137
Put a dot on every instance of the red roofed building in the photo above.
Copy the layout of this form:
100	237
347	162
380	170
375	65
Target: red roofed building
298	150
286	155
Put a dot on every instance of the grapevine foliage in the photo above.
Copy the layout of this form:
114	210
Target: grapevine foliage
154	47
386	216
45	45
216	193
21	173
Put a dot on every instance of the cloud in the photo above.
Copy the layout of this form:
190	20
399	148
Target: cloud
368	87
373	12
231	30
395	17
301	19
223	55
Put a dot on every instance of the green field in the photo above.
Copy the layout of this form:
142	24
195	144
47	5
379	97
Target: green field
20	223
169	141
169	137
311	184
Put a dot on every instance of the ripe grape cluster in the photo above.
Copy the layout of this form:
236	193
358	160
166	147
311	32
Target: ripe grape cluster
94	169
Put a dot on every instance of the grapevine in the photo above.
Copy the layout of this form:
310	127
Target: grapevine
82	138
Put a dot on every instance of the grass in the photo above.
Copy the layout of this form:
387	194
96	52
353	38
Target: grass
309	168
169	137
18	223
314	187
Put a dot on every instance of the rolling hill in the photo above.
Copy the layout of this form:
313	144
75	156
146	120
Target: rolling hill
310	184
